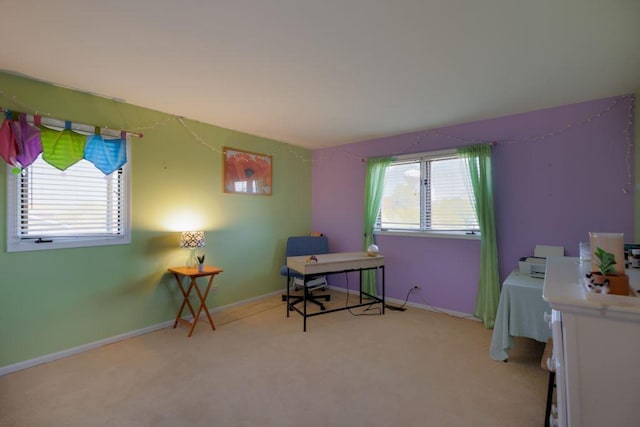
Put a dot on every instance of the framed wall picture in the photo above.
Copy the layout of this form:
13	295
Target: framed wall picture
246	172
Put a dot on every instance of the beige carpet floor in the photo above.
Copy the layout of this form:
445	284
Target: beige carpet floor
412	368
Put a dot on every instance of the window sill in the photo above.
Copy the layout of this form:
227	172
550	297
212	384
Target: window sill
27	245
432	234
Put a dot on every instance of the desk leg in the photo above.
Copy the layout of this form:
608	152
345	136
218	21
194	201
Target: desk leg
185	300
383	290
288	286
360	274
304	303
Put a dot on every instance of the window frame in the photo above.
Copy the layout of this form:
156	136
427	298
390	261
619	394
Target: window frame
424	190
17	244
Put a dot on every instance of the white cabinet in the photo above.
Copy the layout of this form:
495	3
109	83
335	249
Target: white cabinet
596	350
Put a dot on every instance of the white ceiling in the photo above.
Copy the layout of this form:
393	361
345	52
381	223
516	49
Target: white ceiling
318	73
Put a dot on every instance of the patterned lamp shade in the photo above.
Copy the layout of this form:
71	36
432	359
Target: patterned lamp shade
192	239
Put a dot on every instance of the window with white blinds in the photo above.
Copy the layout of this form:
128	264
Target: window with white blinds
427	193
80	206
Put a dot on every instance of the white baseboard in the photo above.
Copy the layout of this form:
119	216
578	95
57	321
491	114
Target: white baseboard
460	314
4	370
467	316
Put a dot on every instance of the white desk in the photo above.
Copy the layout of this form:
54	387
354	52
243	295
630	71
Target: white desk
331	264
596	348
520	314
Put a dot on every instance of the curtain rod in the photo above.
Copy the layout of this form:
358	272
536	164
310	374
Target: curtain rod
79	127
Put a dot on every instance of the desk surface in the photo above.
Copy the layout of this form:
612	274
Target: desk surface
520	313
334	262
193	272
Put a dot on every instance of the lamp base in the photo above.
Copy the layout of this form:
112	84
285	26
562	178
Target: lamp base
192	262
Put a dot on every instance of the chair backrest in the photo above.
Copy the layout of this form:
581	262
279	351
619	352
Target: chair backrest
307	245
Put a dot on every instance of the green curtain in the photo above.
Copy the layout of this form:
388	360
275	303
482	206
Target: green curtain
374	184
478	160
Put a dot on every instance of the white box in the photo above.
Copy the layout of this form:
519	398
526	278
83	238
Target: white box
547	251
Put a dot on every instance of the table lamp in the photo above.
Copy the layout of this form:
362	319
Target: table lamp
192	240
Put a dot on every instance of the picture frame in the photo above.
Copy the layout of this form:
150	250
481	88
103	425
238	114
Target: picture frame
246	172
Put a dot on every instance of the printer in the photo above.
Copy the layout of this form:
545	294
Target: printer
536	265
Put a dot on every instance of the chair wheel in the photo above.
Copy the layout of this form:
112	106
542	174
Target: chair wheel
328	298
322	308
284	298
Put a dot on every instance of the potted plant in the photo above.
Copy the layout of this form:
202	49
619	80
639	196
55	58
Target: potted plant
200	263
606	276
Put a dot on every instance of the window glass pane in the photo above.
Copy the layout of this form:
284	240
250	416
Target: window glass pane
80	201
451	207
428	193
400	207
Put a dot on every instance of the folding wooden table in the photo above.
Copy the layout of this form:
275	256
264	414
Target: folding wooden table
193	274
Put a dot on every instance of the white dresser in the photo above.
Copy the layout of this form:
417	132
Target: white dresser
596	350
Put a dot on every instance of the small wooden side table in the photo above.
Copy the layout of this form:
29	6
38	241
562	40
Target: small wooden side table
193	274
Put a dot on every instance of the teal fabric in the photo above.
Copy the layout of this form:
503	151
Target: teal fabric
520	314
374	185
478	160
107	155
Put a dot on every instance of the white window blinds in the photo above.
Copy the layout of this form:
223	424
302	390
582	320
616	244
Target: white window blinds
427	193
81	201
400	206
450	202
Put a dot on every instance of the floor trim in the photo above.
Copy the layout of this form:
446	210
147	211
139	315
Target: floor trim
427	307
8	369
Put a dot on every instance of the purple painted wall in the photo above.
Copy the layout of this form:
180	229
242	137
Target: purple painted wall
558	174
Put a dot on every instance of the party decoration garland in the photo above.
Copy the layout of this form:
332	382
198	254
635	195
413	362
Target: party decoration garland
21	143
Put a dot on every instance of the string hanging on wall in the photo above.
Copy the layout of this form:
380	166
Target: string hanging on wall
627	132
152	126
55	122
157	124
533	138
198	137
201	140
421	138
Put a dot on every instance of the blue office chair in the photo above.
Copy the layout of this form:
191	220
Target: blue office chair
305	246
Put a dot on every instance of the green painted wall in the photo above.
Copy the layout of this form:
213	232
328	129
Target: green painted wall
58	299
